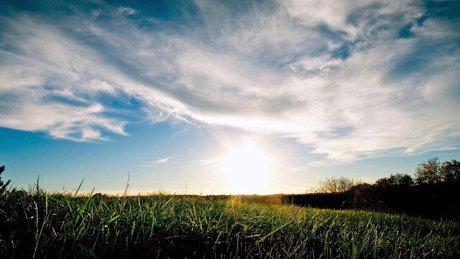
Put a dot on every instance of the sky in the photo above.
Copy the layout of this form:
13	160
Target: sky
221	97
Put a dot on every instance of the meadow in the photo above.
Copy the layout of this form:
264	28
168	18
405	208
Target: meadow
71	225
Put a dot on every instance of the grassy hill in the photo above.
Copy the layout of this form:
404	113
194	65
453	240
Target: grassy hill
162	226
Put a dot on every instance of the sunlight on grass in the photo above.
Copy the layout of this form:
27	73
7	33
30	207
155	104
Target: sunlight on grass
70	225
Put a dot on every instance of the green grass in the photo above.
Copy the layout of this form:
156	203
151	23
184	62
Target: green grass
162	226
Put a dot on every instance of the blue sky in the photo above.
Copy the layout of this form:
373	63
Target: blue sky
171	91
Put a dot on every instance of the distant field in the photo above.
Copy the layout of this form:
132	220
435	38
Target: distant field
162	226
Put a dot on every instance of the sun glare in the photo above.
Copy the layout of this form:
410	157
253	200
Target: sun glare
247	171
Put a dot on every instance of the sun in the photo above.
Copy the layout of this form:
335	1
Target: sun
247	171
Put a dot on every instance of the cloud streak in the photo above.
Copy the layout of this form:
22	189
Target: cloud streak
159	162
350	80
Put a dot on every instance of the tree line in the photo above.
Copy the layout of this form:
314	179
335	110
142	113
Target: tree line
429	172
433	192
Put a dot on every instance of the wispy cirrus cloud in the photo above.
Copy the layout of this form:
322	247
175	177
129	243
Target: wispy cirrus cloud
350	80
211	161
51	82
158	162
127	10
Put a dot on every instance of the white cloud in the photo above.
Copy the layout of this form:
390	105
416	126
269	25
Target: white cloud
161	161
356	18
331	74
437	30
127	10
50	65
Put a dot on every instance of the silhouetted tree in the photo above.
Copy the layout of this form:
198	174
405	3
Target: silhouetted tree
395	180
403	180
386	181
450	171
3	185
428	172
336	185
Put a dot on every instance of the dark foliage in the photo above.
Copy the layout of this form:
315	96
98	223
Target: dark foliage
395	180
434	193
3	186
366	197
324	201
450	171
435	201
428	172
336	185
433	171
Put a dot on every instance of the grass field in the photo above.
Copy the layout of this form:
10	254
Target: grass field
160	226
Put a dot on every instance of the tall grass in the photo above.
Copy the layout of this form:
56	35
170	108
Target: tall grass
68	225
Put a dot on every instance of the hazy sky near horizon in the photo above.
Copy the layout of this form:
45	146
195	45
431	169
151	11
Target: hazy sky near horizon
167	90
